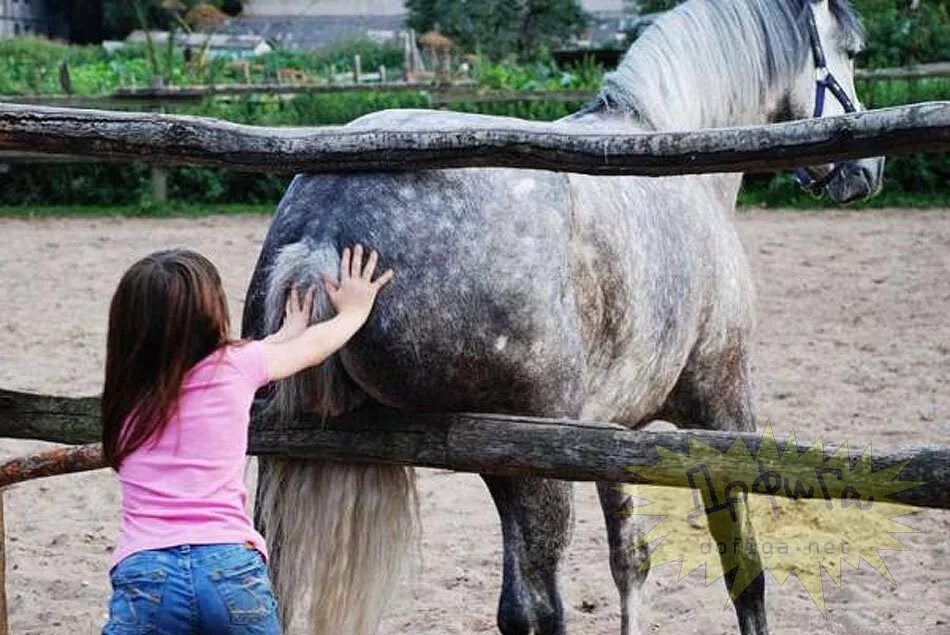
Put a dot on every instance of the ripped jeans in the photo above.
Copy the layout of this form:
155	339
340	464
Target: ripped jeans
191	589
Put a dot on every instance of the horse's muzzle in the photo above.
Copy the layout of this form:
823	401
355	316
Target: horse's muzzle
856	180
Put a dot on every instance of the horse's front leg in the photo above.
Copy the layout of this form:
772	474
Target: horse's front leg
536	522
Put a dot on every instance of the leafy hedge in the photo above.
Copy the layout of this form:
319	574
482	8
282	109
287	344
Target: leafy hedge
31	65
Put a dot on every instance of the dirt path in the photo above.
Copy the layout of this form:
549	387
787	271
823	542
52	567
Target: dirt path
853	342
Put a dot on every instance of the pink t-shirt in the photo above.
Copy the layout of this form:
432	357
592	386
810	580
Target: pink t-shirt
186	485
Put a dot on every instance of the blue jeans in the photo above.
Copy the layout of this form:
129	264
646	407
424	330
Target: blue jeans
206	589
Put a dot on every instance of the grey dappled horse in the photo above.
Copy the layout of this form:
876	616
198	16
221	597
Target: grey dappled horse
621	299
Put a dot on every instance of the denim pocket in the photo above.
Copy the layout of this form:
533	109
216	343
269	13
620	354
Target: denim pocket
244	587
136	599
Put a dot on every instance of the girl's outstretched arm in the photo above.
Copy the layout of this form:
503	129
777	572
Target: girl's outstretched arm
297	346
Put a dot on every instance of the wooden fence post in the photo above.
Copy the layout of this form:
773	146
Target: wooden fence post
357	69
4	625
159	177
159	184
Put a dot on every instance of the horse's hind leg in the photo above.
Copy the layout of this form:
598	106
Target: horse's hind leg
715	392
626	559
536	523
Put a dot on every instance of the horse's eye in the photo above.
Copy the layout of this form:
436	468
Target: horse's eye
851	53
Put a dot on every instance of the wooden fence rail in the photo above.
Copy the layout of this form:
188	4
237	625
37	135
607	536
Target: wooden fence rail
932	70
201	91
478	142
488	444
448	92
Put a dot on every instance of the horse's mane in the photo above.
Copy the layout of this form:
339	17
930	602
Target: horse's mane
705	63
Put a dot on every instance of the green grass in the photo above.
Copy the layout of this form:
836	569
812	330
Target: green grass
164	210
780	189
803	200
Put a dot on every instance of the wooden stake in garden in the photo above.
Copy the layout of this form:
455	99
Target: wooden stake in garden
4	626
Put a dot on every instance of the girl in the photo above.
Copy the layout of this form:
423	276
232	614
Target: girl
175	413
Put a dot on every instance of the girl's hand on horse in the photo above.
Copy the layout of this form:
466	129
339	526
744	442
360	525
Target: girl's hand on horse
356	292
297	346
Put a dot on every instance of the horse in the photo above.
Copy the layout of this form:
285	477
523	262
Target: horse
621	299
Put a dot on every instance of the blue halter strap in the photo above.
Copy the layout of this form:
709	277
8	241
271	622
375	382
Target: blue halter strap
824	81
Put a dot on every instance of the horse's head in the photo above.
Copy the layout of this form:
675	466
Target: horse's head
825	88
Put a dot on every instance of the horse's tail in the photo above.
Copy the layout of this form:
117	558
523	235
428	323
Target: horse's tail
339	534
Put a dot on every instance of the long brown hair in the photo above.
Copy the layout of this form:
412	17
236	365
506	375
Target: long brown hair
168	313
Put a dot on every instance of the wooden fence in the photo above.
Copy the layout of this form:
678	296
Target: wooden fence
465	442
452	92
183	140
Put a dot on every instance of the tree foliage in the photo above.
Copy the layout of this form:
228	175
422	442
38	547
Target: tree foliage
498	28
897	34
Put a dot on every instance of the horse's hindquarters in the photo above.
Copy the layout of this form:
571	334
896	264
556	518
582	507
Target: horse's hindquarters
338	533
480	314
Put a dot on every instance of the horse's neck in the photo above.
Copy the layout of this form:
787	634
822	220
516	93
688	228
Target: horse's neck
702	65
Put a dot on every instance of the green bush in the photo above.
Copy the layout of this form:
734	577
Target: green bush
541	74
31	65
897	35
339	58
129	184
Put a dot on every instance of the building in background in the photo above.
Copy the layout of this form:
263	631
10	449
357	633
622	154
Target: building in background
26	17
378	7
77	21
215	45
289	8
313	24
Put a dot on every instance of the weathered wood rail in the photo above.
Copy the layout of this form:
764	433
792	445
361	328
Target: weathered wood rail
491	444
931	70
480	142
202	91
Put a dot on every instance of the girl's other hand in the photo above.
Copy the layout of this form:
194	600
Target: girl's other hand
356	293
296	314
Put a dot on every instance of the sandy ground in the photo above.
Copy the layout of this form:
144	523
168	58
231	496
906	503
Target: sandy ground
853	342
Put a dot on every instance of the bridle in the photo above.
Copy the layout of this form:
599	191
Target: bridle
824	81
